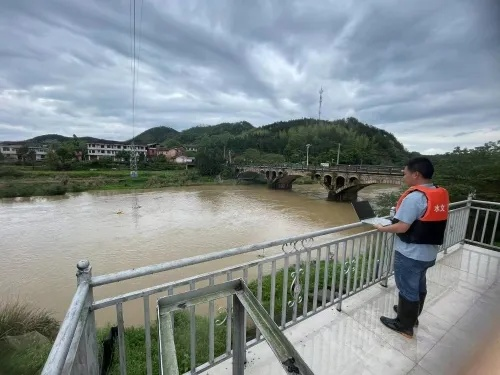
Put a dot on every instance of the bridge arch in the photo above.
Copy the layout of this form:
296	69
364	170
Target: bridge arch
317	176
280	174
354	180
268	173
237	170
262	171
327	180
274	175
339	181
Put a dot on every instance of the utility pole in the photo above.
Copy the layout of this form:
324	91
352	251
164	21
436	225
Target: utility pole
338	154
320	101
307	155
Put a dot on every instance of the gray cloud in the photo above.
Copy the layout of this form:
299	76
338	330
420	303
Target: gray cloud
429	72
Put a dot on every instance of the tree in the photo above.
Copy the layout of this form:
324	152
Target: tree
31	157
53	160
22	152
123	155
209	161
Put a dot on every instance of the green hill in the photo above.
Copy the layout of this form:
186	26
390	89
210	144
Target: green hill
157	134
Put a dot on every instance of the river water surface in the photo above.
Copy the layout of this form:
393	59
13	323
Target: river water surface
42	238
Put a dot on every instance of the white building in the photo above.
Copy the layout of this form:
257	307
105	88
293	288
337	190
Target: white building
10	151
97	151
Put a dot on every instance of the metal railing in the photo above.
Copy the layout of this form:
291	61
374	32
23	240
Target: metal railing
293	279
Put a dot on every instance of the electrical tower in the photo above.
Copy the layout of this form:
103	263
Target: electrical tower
320	101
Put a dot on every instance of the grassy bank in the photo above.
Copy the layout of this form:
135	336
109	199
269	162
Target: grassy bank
24	182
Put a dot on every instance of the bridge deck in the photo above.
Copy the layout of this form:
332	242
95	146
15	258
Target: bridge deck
460	312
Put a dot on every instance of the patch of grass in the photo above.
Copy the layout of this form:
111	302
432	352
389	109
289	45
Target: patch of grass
136	345
18	318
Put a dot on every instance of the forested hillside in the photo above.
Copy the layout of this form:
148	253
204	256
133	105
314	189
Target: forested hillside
465	170
286	141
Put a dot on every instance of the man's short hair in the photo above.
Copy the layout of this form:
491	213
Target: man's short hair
421	165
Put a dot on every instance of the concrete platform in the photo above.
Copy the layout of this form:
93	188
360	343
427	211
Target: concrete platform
462	311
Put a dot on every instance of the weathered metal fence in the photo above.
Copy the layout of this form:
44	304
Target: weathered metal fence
293	279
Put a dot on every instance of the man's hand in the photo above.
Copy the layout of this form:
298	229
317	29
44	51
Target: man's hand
377	226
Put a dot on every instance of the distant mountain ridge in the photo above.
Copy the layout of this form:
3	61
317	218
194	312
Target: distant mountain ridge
360	143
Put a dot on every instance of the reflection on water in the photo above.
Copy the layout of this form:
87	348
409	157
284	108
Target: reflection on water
43	237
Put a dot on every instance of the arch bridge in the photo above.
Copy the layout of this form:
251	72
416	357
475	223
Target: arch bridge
342	181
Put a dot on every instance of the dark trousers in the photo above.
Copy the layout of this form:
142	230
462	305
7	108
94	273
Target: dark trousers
410	276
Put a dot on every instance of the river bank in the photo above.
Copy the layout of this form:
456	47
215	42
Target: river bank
21	182
25	182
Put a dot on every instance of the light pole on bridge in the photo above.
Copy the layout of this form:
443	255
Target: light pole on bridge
307	154
338	154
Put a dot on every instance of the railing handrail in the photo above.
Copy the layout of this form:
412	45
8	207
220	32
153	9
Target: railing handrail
62	343
486	202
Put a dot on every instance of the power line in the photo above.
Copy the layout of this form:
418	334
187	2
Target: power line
133	152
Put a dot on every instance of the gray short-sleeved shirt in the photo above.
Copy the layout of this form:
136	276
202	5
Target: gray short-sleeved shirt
412	208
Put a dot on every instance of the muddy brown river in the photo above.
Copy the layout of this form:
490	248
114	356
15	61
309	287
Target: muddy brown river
42	238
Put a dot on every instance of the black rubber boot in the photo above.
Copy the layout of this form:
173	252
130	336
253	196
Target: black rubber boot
407	316
421	306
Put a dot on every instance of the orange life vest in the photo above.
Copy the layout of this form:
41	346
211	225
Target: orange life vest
430	228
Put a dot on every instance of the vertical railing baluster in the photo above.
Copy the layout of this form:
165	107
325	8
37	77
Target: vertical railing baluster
475	223
325	278
305	305
259	294
87	351
334	273
239	337
245	279
121	339
192	330
229	317
355	283
376	257
316	279
297	285
211	322
285	292
147	332
349	269
363	244
492	241
170	292
370	260
273	289
342	276
485	224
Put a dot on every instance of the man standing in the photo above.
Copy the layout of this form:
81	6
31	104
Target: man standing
419	225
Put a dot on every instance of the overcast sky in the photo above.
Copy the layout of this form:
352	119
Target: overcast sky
427	71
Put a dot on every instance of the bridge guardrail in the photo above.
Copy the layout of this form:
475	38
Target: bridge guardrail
389	170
